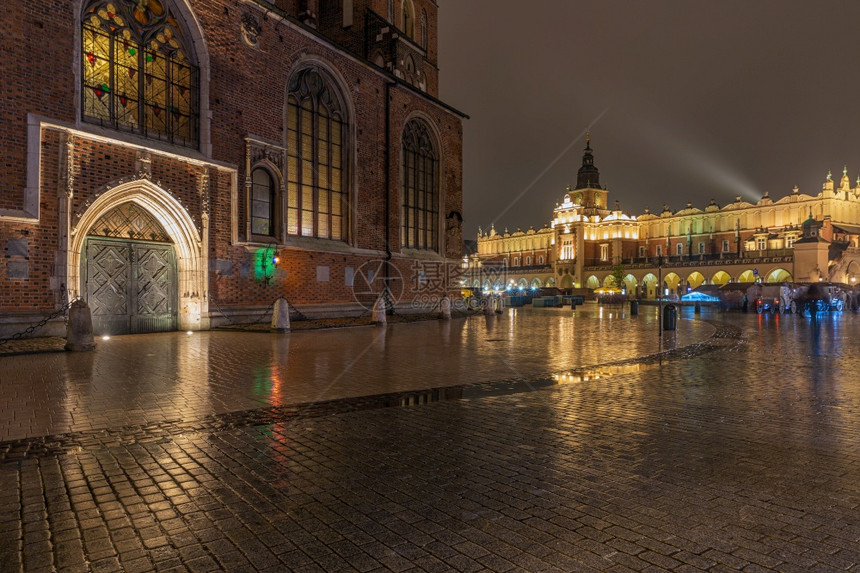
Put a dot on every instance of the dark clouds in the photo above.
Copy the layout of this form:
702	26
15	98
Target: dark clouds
699	100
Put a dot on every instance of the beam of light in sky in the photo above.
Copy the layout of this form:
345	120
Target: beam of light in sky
683	154
550	166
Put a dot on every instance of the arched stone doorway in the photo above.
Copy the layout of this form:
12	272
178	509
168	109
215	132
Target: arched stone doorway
129	273
176	261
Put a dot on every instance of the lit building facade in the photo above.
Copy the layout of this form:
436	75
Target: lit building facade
183	163
587	244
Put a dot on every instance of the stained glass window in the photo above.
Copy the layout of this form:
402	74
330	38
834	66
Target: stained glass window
420	212
137	72
316	165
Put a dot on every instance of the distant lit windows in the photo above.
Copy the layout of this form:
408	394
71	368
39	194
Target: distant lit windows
641	251
604	252
659	250
566	249
516	261
789	241
701	248
760	243
528	261
540	260
137	72
420	207
679	248
725	246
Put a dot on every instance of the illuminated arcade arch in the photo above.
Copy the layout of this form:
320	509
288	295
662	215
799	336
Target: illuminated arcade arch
720	278
630	283
747	277
778	276
671	281
649	286
592	282
695	280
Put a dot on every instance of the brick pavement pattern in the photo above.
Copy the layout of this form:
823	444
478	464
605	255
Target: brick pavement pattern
739	453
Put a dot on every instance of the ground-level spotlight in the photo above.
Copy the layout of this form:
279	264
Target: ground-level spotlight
105	337
190	332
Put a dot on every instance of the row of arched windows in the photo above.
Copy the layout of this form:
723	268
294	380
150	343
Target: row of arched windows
139	74
316	181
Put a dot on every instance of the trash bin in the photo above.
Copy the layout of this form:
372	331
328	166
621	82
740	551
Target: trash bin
634	307
670	317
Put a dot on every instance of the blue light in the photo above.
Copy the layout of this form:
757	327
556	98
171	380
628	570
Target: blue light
699	297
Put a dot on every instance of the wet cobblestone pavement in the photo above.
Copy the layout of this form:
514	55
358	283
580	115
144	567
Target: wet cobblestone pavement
734	449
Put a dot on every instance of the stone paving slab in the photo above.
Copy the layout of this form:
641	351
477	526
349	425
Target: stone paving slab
738	453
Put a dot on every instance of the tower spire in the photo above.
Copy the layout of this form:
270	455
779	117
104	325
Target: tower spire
588	176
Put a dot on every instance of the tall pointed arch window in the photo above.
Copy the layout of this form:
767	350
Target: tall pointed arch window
408	19
420	211
138	73
317	201
424	29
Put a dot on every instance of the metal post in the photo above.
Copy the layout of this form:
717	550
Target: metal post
660	297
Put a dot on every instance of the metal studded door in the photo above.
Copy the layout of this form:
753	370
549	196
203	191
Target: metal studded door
154	285
131	286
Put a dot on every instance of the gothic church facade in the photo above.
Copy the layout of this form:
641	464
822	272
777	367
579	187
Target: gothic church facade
180	164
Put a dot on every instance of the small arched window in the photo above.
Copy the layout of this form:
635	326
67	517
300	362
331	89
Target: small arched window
420	208
262	203
316	158
138	72
408	19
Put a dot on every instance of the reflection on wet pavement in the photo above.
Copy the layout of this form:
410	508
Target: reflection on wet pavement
145	379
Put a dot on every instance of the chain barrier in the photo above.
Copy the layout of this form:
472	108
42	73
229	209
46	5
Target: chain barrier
347	322
28	332
243	325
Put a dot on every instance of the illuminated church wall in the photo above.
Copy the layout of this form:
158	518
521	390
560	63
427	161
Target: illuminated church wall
243	130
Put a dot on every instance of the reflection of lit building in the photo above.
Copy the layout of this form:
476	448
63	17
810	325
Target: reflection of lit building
586	244
181	163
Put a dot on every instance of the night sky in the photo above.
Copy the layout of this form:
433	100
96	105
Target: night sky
687	100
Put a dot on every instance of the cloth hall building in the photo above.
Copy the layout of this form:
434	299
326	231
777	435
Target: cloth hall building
588	243
183	163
